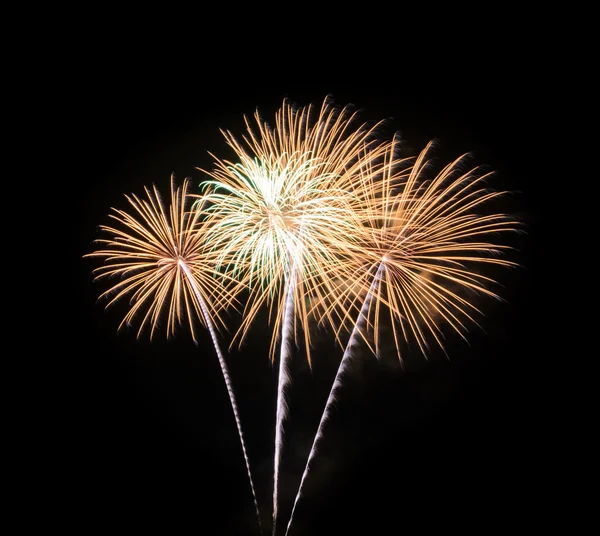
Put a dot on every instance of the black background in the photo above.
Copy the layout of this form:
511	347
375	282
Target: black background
146	436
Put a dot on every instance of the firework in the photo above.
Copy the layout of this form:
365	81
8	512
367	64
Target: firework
159	263
424	240
282	216
289	199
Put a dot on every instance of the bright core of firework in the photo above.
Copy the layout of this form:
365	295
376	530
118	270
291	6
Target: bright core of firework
289	202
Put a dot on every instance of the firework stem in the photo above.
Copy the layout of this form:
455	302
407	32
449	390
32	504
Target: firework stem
343	367
283	382
226	377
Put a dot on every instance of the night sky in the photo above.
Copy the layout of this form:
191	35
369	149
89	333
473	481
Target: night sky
149	436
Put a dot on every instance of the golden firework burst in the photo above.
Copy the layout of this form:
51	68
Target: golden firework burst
419	261
156	258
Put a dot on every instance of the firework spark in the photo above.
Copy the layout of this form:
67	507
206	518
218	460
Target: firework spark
424	241
161	266
282	216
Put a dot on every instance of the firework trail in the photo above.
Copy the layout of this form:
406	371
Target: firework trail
228	384
343	367
423	237
298	176
160	263
283	381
